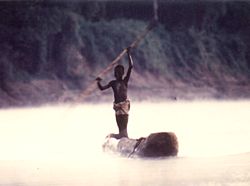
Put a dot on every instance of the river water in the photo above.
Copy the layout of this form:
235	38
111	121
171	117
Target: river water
61	145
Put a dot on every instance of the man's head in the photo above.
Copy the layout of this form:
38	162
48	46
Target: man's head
119	71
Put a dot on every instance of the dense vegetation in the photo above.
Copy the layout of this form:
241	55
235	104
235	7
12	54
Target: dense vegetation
49	47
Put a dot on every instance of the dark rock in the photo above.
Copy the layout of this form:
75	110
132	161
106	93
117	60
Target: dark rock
159	144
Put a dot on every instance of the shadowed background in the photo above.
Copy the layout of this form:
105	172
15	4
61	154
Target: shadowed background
51	50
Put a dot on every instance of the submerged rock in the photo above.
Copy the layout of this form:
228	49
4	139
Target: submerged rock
155	145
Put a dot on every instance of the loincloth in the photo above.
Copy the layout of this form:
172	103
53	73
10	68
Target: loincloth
122	108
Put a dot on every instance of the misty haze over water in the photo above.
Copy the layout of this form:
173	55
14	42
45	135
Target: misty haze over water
63	146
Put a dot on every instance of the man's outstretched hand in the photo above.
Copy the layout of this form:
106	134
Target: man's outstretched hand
128	50
98	79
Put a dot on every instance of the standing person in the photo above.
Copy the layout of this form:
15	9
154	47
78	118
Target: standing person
121	102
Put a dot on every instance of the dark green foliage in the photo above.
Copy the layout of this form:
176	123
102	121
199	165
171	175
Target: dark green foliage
73	40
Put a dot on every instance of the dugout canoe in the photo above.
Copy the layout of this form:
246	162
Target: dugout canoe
161	144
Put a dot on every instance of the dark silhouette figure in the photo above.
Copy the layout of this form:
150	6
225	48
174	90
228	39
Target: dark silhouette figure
121	102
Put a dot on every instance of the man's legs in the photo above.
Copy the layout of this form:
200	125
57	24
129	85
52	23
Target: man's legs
122	122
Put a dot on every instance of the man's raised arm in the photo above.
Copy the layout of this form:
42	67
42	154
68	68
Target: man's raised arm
100	85
131	64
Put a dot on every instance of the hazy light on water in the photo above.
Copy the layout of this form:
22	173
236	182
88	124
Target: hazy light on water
202	128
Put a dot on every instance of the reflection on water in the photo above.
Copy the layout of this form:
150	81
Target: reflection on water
62	145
